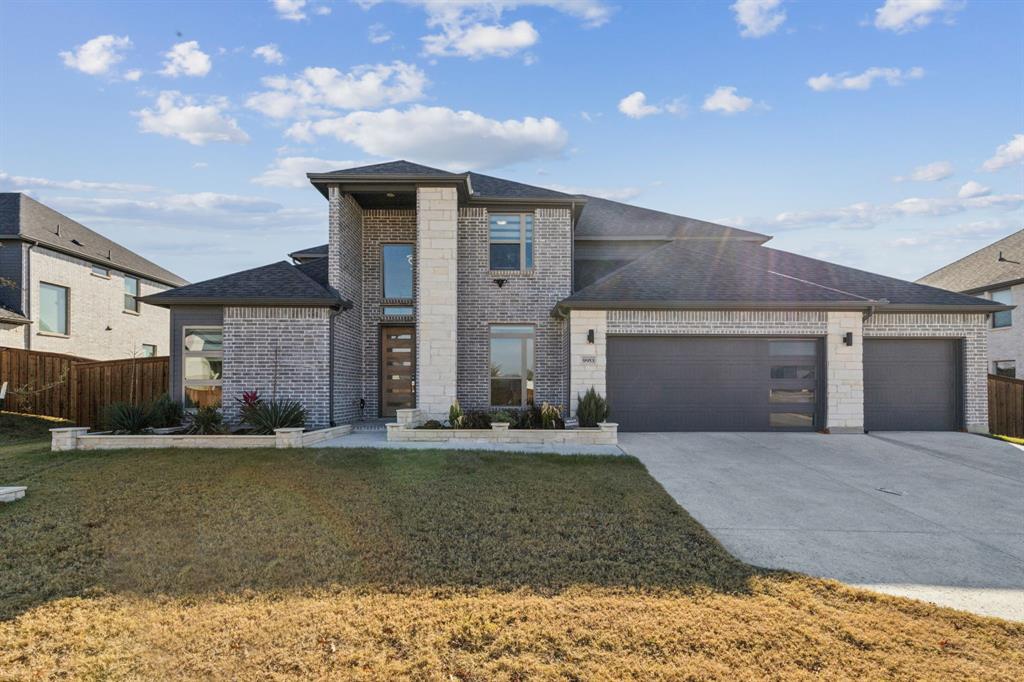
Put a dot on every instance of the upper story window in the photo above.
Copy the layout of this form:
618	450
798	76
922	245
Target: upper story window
131	290
100	271
396	266
1003	318
53	308
202	366
148	350
511	241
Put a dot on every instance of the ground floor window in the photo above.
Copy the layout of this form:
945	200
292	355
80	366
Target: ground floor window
202	366
511	365
1005	368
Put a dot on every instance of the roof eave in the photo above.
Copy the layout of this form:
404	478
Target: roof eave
877	306
167	302
990	286
322	180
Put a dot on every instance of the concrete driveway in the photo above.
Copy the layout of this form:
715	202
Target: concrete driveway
934	516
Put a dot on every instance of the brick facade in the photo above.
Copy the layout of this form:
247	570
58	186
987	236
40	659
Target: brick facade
972	328
345	275
379	227
525	298
280	352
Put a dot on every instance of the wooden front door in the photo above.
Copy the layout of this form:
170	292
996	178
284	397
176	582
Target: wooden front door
397	369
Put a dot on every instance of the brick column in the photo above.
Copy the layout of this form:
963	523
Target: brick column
587	361
845	374
437	211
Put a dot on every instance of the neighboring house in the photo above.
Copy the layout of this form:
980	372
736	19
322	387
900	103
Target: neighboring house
436	286
67	289
995	272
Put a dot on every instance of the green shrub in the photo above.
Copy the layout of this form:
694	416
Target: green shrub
431	424
267	415
476	420
502	417
526	418
592	408
125	418
455	415
206	421
165	413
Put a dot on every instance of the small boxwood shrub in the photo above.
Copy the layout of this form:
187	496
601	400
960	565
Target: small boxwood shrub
476	419
165	413
206	421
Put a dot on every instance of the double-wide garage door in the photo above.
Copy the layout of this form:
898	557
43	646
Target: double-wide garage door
679	383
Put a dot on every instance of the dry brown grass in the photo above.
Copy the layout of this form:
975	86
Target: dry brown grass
348	564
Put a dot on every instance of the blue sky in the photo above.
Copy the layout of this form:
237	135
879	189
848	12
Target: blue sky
887	135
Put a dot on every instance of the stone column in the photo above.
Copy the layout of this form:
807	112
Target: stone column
845	374
437	213
587	361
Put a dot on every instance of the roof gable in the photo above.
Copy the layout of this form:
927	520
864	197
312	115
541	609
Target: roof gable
400	167
276	284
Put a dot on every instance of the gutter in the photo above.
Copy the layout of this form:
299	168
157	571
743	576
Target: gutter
869	306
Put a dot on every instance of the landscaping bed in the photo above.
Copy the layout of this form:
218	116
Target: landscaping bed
368	564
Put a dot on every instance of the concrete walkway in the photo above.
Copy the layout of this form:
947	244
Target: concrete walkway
933	516
378	439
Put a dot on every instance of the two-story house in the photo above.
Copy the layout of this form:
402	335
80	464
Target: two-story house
436	286
995	272
67	289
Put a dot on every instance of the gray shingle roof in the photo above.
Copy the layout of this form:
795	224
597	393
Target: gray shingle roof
706	274
490	187
276	284
400	167
312	252
982	269
607	218
24	217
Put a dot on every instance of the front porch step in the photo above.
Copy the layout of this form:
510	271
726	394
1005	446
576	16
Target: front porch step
11	493
371	425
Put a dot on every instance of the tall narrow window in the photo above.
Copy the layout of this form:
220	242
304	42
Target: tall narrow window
202	366
511	365
511	241
1004	318
131	290
53	308
396	260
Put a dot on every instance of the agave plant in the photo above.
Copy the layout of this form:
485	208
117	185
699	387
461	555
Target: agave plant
126	418
206	421
265	416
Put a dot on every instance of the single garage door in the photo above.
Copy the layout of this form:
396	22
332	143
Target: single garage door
912	385
675	383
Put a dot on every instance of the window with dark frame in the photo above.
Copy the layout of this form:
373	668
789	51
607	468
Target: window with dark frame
202	363
100	271
397	279
1005	368
53	309
511	365
131	291
148	350
511	241
1003	318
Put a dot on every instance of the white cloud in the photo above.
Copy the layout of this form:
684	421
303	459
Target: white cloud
863	81
269	53
291	171
322	10
323	90
133	75
292	10
478	40
177	115
186	59
931	172
379	34
20	182
635	106
902	16
758	18
972	189
725	100
1006	154
97	56
200	164
440	136
982	229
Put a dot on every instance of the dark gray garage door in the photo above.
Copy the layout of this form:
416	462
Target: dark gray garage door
912	385
672	383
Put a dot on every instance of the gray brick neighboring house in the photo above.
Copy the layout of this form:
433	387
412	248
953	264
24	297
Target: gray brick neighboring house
436	285
67	289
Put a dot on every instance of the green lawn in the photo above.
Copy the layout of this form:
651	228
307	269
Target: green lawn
264	564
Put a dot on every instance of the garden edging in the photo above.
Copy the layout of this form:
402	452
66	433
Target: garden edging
604	434
79	438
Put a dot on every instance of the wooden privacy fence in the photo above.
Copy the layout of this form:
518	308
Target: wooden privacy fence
74	388
1006	406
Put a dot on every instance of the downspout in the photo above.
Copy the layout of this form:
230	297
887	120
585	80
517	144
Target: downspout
330	364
